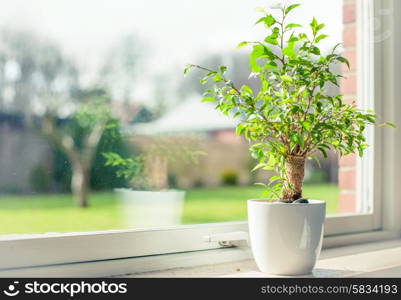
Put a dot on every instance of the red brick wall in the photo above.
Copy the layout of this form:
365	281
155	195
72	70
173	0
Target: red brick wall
347	164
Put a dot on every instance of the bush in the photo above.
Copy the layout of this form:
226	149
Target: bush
172	180
229	177
102	177
198	183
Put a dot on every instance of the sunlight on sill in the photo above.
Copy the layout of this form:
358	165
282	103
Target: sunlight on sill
380	259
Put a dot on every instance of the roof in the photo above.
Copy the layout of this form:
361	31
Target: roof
190	116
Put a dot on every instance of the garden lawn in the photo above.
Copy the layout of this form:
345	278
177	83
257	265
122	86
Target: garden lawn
57	213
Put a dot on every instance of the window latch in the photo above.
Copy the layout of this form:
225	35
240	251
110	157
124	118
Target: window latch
228	239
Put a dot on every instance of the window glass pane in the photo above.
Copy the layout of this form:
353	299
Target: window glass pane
83	83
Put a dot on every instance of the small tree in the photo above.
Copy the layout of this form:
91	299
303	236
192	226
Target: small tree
91	118
292	116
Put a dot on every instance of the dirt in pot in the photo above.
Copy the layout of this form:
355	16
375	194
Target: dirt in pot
301	200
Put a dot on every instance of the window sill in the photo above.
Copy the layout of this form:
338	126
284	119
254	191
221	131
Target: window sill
380	259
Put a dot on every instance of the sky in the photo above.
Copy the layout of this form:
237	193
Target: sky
172	32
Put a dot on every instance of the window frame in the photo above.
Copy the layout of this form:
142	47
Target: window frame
368	191
377	68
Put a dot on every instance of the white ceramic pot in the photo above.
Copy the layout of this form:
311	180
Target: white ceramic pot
286	238
151	209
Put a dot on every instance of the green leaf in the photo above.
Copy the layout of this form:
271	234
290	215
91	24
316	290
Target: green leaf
270	20
320	37
187	68
291	7
387	124
240	129
316	159
208	99
315	50
258	166
343	60
360	151
272	161
253	64
292	25
293	39
258	51
222	69
289	50
336	46
306	125
313	24
242	44
302	36
246	89
323	152
230	84
274	178
272	39
286	78
217	78
262	19
300	140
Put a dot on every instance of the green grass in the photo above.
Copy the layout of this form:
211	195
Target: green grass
228	203
57	213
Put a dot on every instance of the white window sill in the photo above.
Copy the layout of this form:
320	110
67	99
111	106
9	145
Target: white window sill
380	259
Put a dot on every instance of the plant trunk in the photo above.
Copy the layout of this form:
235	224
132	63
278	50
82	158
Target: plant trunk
295	171
157	173
79	183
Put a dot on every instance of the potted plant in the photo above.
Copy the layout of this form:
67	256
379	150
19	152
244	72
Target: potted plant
149	202
289	119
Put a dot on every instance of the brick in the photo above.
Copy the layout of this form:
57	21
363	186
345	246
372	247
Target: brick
349	12
349	36
347	165
347	179
347	203
348	161
348	84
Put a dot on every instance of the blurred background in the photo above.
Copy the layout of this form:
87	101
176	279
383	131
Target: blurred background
82	78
